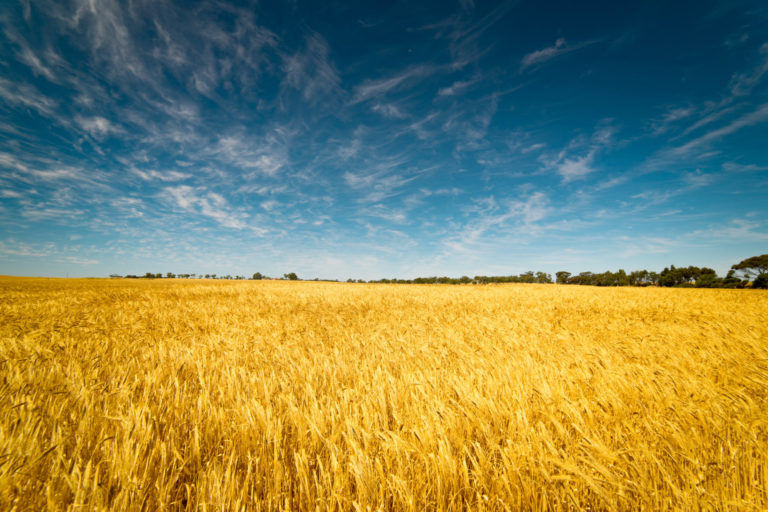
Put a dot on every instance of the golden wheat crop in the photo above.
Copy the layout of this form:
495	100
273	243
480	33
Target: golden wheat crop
168	395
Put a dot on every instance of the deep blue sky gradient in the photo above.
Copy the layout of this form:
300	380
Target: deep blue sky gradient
395	139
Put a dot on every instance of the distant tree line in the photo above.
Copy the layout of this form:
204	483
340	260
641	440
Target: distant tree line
291	276
751	272
671	276
525	277
170	275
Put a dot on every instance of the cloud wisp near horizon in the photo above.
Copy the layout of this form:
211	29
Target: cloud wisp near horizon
381	140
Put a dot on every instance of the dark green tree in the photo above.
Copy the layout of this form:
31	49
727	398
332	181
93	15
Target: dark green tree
752	267
639	278
708	281
671	276
761	281
621	278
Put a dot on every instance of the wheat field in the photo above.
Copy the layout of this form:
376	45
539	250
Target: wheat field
210	395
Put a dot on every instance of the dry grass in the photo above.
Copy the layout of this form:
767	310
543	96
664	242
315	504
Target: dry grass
164	395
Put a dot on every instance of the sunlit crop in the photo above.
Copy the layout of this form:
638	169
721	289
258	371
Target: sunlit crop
210	395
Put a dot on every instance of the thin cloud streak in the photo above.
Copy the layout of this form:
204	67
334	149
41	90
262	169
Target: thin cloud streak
560	47
376	88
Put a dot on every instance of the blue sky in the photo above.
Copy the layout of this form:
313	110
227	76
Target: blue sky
395	139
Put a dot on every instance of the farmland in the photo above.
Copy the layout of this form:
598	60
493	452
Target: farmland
209	395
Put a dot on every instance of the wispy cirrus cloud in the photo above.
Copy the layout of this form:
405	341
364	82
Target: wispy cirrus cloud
577	160
558	49
575	168
26	96
739	168
734	231
311	70
710	115
389	110
757	116
465	33
490	219
456	87
670	118
741	84
266	155
380	87
208	204
15	247
98	127
152	175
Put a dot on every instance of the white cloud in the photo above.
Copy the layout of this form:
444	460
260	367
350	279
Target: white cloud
378	185
106	26
392	215
632	246
205	79
37	212
515	216
269	164
672	116
60	173
737	230
388	110
736	40
470	128
560	47
455	88
707	119
270	205
97	126
742	83
152	175
13	247
267	155
28	57
350	149
575	168
466	33
184	195
698	179
453	191
533	147
79	261
10	161
735	167
577	159
311	70
544	54
375	88
755	117
210	205
53	170
19	94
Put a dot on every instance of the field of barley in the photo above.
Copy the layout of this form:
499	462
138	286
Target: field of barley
243	395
